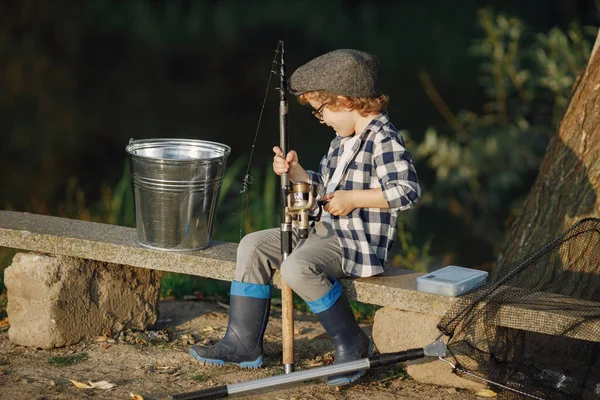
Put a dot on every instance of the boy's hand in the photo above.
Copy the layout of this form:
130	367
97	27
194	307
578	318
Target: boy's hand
340	202
288	164
282	165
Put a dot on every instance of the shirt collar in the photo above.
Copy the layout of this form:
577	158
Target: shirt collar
376	123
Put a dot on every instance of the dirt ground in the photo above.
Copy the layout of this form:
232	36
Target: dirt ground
155	364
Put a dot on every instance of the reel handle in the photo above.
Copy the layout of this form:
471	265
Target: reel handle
320	204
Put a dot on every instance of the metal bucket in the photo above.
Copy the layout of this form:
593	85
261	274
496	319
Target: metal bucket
176	185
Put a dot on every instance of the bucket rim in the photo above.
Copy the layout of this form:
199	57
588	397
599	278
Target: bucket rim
193	142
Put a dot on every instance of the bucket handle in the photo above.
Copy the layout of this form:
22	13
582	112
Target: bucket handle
131	140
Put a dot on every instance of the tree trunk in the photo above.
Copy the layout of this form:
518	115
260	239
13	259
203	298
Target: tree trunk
568	185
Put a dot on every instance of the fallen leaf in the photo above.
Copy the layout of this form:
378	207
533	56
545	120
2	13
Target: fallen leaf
81	385
101	339
102	385
314	363
486	393
94	385
136	396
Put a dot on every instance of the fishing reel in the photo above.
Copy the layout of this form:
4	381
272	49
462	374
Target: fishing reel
299	201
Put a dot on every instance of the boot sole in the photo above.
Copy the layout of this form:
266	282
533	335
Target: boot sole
346	380
219	363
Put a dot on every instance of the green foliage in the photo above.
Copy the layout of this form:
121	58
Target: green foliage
485	163
406	254
560	58
263	205
6	256
255	209
364	312
227	224
121	210
181	285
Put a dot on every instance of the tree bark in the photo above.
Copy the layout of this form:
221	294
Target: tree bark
568	185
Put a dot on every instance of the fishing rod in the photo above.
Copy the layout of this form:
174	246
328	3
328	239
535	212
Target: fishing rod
287	299
435	349
297	200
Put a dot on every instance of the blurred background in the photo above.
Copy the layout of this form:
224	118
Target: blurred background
477	88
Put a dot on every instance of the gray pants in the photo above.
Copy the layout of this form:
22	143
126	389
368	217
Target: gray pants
306	270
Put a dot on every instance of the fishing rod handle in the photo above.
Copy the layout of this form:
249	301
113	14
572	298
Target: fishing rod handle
393	358
218	392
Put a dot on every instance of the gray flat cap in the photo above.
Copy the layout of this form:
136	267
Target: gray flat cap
344	72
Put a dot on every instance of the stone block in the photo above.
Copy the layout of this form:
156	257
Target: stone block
396	330
55	301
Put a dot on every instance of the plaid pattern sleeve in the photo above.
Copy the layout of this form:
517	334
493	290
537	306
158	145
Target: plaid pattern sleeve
395	171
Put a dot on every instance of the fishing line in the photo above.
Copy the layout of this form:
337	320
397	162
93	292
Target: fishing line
248	180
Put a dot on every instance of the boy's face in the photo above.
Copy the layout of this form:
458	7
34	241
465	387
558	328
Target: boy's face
341	120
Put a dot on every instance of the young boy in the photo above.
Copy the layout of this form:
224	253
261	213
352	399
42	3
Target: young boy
367	177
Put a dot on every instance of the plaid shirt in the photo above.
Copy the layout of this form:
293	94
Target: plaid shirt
379	160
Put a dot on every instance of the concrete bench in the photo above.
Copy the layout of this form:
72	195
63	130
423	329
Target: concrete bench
93	277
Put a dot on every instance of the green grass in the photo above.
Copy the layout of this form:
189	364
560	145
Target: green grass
199	378
395	372
180	285
63	361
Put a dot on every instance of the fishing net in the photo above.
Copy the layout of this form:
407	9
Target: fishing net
534	327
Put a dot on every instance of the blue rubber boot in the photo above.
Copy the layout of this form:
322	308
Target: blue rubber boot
351	343
243	342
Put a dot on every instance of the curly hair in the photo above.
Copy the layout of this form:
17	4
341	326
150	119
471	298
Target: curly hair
364	105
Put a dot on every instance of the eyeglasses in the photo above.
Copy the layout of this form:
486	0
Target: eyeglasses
318	113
